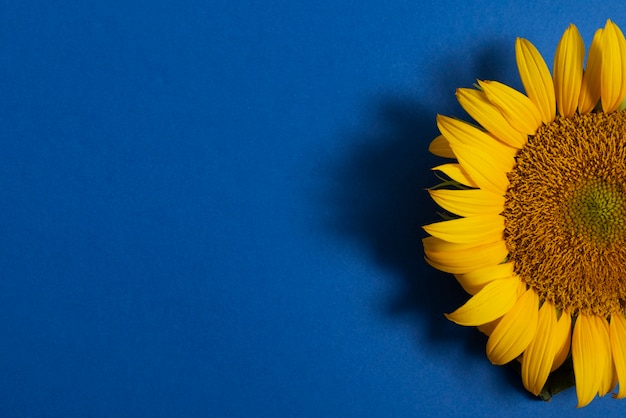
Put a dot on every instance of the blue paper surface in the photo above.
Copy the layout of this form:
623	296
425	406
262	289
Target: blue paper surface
213	208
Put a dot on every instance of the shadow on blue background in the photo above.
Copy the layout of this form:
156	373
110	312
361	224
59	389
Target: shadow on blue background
382	201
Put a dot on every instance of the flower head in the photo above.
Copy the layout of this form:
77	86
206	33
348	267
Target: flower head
538	198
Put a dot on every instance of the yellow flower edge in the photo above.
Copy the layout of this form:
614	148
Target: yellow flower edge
539	213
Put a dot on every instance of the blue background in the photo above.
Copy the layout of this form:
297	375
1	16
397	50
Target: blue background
212	208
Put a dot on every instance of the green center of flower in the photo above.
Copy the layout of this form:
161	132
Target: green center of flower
565	213
597	210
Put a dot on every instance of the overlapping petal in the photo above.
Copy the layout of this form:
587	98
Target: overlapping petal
617	335
563	340
591	355
613	71
441	147
494	300
488	328
457	173
539	356
476	230
590	89
484	159
515	331
456	130
477	105
462	258
518	109
568	71
607	382
469	202
473	281
536	79
478	163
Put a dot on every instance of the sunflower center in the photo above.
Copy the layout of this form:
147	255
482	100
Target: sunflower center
565	213
597	210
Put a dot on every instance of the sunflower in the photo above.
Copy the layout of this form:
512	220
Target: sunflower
536	231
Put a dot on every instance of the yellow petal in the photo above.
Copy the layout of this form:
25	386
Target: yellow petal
441	254
485	160
516	108
456	130
515	331
568	71
604	349
617	333
456	173
615	379
539	355
462	260
441	148
591	356
477	105
469	202
479	165
563	340
623	53
536	79
439	245
483	229
590	88
584	360
493	301
613	71
475	280
488	328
